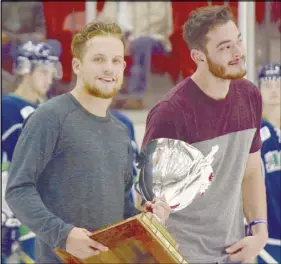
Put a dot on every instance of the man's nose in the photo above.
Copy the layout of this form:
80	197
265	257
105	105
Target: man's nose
108	68
238	52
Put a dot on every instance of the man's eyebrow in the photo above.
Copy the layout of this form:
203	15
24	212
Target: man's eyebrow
223	42
227	41
100	54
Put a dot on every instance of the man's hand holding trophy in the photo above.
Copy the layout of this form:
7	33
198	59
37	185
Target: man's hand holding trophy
172	173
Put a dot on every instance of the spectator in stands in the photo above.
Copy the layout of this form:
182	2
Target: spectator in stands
147	26
269	83
36	66
21	22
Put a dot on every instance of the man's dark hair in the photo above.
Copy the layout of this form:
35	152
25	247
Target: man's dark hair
201	21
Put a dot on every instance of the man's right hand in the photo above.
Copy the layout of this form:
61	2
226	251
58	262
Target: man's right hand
80	245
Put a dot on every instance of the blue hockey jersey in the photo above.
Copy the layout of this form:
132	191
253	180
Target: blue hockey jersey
128	123
271	156
14	111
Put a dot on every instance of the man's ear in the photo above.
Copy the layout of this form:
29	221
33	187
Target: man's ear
197	56
76	65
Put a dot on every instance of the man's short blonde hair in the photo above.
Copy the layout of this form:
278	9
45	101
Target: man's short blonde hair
92	29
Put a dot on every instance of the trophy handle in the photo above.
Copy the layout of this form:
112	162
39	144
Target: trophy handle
138	190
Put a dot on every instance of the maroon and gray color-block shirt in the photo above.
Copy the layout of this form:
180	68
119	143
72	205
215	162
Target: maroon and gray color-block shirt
215	220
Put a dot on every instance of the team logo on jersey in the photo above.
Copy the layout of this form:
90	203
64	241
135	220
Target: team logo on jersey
273	161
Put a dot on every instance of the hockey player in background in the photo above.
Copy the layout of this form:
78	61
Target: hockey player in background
36	66
129	124
269	82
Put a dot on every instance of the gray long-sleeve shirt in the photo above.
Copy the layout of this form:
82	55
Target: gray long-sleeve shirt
70	168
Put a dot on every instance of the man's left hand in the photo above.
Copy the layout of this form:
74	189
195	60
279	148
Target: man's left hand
160	208
246	249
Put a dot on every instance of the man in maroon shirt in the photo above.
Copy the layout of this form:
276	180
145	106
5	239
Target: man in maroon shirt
217	106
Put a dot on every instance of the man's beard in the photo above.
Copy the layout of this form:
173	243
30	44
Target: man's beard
220	71
96	92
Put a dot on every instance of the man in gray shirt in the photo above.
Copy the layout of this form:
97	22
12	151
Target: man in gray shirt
71	170
216	106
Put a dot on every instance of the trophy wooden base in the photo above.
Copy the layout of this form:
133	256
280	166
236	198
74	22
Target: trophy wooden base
139	239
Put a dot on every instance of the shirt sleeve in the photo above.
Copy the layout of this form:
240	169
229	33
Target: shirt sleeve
33	152
161	123
257	142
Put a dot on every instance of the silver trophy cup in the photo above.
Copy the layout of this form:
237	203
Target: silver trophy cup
173	170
